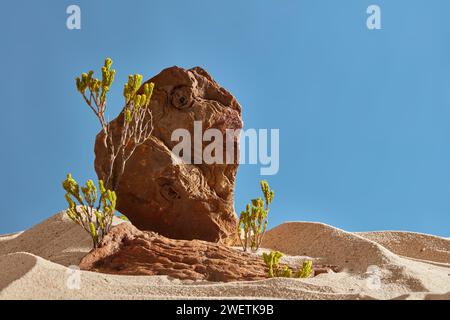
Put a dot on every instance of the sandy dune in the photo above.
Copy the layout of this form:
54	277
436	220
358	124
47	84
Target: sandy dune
412	245
35	264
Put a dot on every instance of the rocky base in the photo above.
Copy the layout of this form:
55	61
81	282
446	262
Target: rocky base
129	251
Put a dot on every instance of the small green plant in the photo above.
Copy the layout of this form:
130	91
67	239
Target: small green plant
136	129
306	270
137	117
252	223
272	260
285	272
91	208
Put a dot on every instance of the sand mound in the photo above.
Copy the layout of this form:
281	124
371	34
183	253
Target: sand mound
413	245
360	256
56	239
350	251
376	265
47	280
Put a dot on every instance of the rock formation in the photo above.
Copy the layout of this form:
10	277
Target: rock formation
161	193
129	251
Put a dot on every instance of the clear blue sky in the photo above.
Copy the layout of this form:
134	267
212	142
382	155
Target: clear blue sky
364	116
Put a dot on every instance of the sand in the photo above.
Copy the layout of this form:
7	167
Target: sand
38	264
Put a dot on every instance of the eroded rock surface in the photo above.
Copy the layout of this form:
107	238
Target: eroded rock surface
129	251
163	194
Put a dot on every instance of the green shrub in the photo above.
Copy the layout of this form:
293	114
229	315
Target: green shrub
252	223
137	117
306	270
93	210
272	260
285	272
136	129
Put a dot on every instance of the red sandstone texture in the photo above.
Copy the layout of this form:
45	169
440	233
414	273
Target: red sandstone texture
129	251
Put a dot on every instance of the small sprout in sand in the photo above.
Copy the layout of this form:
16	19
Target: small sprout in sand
94	216
306	270
253	221
123	217
272	260
285	272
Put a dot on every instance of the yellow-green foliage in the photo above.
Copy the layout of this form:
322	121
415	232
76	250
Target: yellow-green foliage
94	216
272	260
98	88
135	103
253	221
137	117
132	86
306	270
124	218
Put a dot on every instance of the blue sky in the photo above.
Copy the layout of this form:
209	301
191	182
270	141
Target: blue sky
364	116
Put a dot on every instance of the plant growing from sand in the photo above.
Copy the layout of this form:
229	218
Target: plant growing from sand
91	208
137	128
252	223
306	270
272	260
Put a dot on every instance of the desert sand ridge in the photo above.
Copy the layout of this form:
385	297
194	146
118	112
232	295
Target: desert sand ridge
34	265
412	244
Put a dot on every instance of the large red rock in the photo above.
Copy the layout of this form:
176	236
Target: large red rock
177	200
